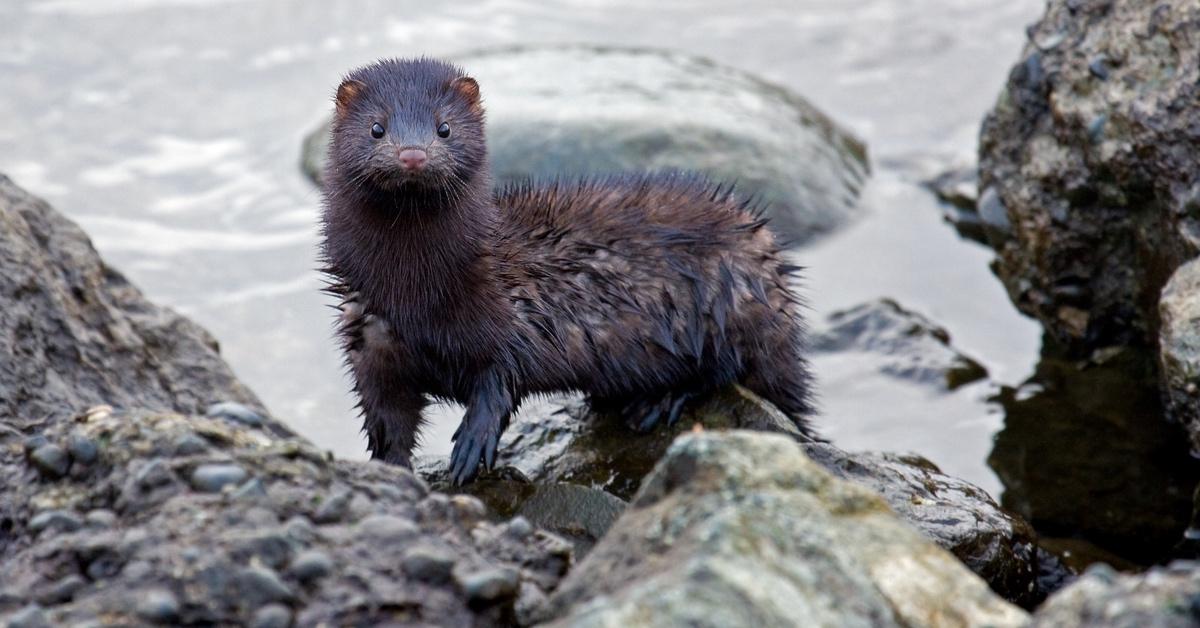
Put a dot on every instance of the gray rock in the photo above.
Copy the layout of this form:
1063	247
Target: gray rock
272	616
158	606
741	529
56	520
32	616
62	590
84	335
387	529
50	460
83	449
211	478
427	563
1179	348
261	585
490	588
1163	597
101	518
1098	175
579	110
234	411
311	565
901	343
154	474
189	444
334	508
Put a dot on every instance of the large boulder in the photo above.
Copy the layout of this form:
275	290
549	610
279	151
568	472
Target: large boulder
1090	158
75	333
1163	597
742	529
581	110
565	442
1179	348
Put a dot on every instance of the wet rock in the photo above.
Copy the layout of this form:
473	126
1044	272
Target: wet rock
907	345
738	529
50	460
958	190
1163	597
576	110
158	606
1179	348
1095	165
84	335
211	478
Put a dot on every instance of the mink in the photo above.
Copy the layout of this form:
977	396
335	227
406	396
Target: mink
642	291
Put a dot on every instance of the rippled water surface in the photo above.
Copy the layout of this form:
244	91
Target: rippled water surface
170	130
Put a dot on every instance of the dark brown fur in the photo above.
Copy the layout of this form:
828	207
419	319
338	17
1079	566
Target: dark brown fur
641	291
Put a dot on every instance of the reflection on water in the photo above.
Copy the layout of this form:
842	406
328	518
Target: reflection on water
1085	453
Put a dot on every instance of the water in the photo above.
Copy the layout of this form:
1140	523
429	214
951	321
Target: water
171	131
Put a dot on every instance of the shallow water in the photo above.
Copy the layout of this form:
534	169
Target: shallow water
171	131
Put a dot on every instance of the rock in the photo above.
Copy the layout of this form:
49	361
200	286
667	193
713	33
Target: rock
489	588
51	461
84	335
1097	171
1083	454
958	190
742	528
83	450
31	616
272	616
388	529
58	520
427	563
211	478
565	443
158	606
311	565
335	508
101	518
1163	597
234	411
62	590
262	585
1179	348
576	110
903	344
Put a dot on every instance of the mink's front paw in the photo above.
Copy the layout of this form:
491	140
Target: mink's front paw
474	440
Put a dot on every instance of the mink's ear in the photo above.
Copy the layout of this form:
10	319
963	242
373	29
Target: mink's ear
347	93
468	89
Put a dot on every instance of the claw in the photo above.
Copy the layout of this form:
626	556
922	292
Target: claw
677	408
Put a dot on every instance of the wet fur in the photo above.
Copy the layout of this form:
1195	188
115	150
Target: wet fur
639	290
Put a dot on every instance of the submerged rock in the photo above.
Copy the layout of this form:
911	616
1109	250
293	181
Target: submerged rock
1163	597
743	529
566	443
579	110
908	345
79	334
1091	153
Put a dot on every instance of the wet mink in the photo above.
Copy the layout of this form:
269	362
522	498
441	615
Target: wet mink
640	290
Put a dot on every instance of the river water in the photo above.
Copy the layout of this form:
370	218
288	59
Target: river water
170	129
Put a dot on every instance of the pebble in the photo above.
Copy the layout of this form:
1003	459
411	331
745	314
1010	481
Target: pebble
190	444
158	605
427	564
34	442
51	460
490	587
388	529
519	528
62	591
211	478
251	491
154	474
101	518
261	585
236	412
300	529
58	520
311	565
83	449
334	509
31	616
272	616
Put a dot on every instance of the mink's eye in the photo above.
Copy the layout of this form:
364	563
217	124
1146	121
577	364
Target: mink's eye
444	130
377	130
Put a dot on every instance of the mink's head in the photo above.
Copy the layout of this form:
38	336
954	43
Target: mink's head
408	126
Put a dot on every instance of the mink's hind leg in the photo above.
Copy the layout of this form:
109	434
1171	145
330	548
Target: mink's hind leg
785	381
645	411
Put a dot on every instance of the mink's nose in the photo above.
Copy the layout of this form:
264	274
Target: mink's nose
412	158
